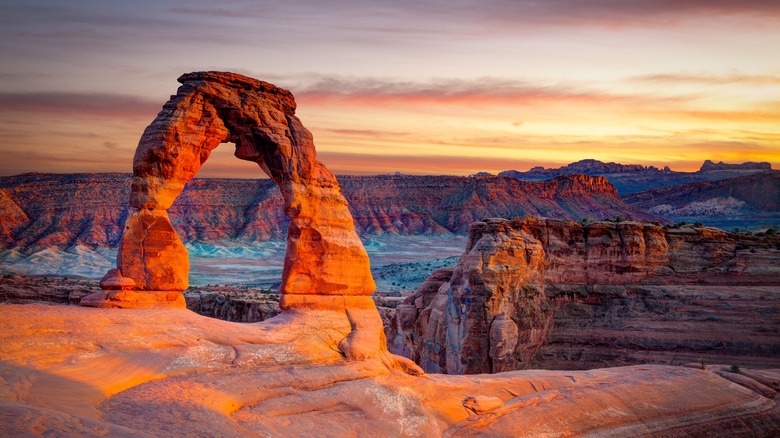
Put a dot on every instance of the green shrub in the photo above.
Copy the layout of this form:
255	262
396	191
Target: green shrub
735	369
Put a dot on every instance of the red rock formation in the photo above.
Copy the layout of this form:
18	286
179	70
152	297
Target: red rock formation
437	204
532	291
89	209
13	219
324	254
326	266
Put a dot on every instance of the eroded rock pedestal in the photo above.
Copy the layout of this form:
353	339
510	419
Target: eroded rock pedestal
326	266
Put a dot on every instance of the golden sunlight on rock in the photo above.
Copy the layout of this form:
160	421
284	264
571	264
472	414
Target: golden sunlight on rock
324	254
132	361
169	372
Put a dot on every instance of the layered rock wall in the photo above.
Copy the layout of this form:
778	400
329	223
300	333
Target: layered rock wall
63	210
520	283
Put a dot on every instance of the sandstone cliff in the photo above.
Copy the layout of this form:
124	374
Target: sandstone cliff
559	294
44	210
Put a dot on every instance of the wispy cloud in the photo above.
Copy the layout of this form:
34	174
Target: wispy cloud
373	91
370	164
363	14
92	104
707	79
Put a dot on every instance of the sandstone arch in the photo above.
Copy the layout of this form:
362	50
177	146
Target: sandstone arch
326	266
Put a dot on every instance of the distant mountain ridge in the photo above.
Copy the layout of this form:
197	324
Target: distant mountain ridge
633	178
725	203
62	210
748	165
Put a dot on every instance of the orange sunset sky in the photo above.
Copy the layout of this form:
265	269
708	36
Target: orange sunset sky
420	87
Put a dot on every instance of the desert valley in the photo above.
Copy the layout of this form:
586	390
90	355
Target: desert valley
594	299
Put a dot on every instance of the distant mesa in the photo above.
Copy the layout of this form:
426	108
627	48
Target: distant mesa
587	167
749	165
633	178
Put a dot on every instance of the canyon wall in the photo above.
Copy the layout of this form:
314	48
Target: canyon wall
755	196
45	210
548	293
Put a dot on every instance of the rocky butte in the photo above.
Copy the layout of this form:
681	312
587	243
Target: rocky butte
565	295
138	364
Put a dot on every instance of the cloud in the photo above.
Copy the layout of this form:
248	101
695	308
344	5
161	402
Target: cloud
92	104
754	116
371	164
707	79
422	15
494	91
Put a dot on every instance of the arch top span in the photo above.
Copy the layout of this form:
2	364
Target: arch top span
212	108
324	257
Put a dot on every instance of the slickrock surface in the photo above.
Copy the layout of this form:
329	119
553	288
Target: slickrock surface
560	294
43	210
76	371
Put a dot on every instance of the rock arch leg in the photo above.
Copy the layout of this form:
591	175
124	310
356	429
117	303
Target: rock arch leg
326	266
